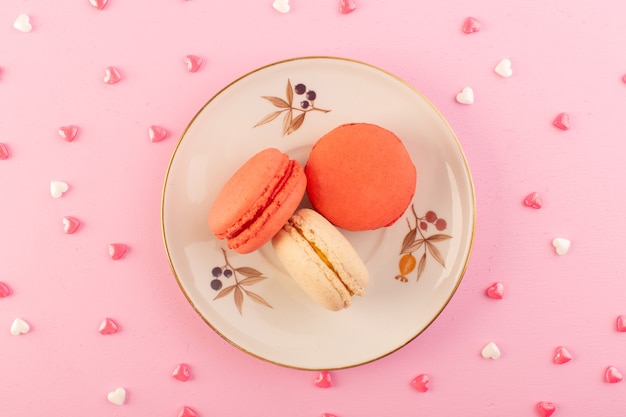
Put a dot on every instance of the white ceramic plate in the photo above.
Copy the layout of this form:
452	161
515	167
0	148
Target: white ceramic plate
271	317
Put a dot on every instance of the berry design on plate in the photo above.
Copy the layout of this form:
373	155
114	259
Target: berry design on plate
420	239
293	108
227	272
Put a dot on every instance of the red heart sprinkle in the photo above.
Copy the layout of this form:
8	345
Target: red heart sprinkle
193	63
471	25
187	412
624	79
112	75
324	380
108	326
5	291
70	224
545	409
612	375
421	382
621	323
561	355
533	200
347	6
496	290
68	132
117	250
562	121
4	151
157	133
98	4
328	415
181	372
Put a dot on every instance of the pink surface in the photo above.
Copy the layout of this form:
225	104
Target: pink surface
567	56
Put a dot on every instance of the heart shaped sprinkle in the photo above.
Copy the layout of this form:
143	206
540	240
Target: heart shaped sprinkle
421	382
533	200
471	25
112	75
281	6
187	412
98	4
22	23
57	188
612	375
156	133
466	96
5	290
620	323
108	326
181	372
504	68
328	415
19	327
70	224
347	6
4	151
561	355
624	78
117	397
495	290
68	132
545	409
117	250
323	380
491	351
562	121
561	245
193	63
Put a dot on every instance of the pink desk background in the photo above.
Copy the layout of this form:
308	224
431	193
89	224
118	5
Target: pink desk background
567	56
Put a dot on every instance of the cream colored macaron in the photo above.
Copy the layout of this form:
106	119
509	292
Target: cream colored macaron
321	260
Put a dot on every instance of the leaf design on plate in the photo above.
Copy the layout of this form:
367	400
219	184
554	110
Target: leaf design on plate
408	241
435	253
421	265
248	272
289	93
287	121
438	237
239	299
415	245
251	280
269	118
277	101
256	297
225	291
296	122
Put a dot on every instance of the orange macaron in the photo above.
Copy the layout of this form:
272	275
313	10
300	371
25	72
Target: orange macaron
257	200
360	176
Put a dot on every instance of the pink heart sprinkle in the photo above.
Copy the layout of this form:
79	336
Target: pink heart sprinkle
496	290
112	75
621	323
471	25
324	380
562	121
181	372
624	78
328	415
612	375
561	355
117	250
5	291
193	63
421	382
533	200
70	224
4	151
157	133
68	132
347	6
546	409
187	412
108	326
98	4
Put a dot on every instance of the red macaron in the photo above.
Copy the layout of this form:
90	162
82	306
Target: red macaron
360	176
257	200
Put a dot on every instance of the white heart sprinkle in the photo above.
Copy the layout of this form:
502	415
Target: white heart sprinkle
281	6
117	397
57	188
466	96
561	245
491	351
19	327
504	68
22	23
